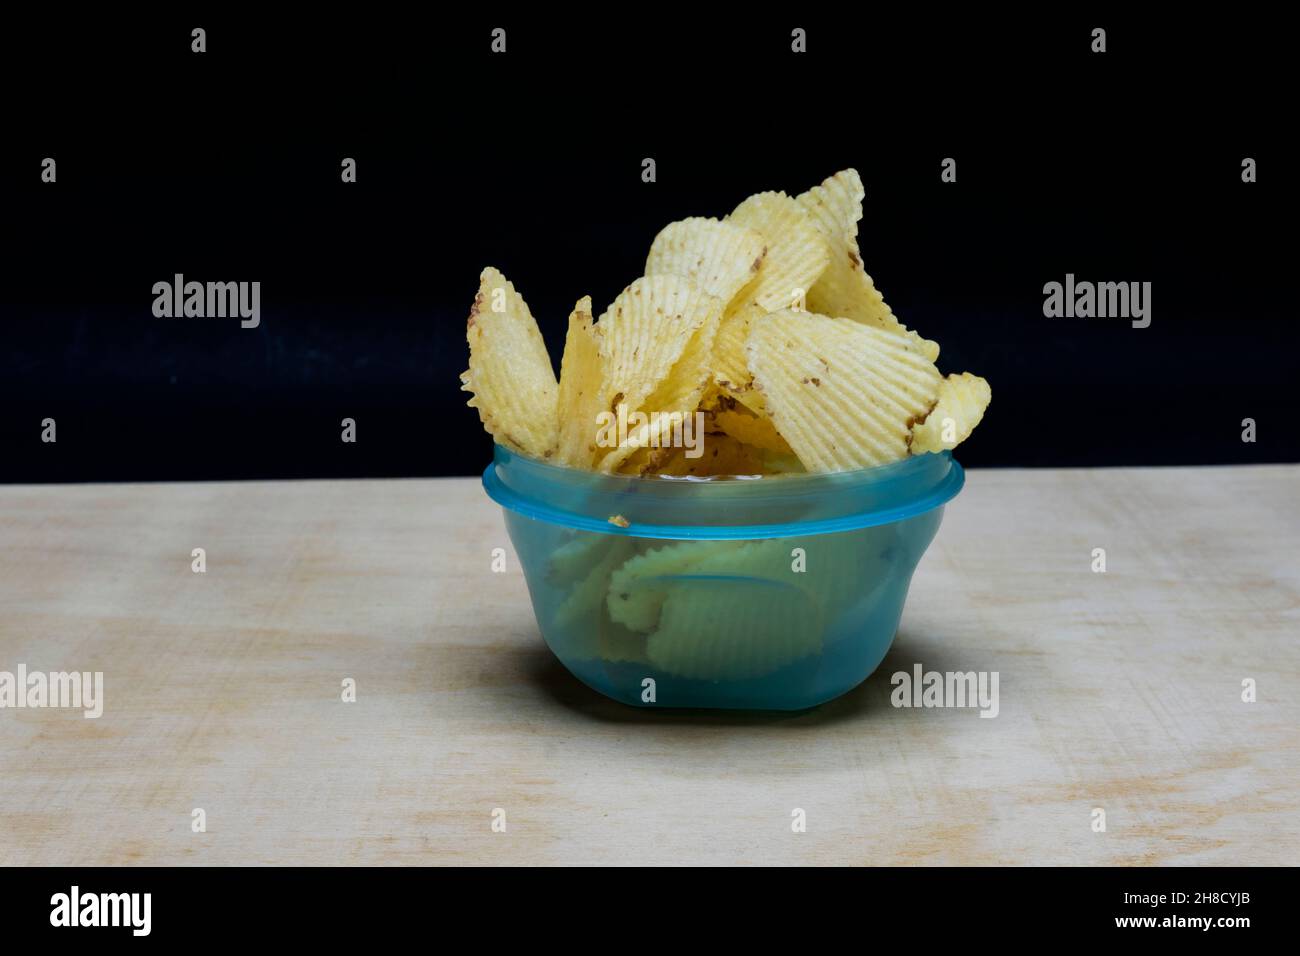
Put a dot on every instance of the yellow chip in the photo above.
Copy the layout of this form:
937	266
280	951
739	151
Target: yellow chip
672	404
739	609
721	455
576	556
618	645
747	633
751	610
637	589
729	362
646	461
926	347
645	331
582	604
510	374
581	396
777	464
712	394
845	290
796	252
752	430
736	615
720	257
843	394
961	404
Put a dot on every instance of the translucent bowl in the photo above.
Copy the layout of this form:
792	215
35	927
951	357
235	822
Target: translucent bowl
772	593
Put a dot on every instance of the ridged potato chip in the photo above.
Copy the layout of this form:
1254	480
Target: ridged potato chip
738	615
777	464
575	557
645	461
675	399
748	633
712	394
962	401
722	455
730	362
581	395
845	290
510	374
644	333
617	645
586	596
637	589
720	257
843	394
750	429
796	252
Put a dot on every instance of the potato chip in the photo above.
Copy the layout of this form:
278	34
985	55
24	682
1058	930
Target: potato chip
637	589
644	333
645	461
774	463
721	455
577	555
585	597
747	633
616	644
581	395
843	394
736	615
712	394
720	257
750	429
836	573
510	374
729	362
672	404
962	401
845	290
926	347
796	252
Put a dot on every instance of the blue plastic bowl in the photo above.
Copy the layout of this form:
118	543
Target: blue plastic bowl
773	593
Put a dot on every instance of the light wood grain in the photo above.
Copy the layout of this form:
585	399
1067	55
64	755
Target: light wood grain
1118	690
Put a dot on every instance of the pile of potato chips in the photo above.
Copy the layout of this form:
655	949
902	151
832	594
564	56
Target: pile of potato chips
765	321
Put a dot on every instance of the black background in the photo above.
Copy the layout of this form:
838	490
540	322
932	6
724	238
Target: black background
1123	166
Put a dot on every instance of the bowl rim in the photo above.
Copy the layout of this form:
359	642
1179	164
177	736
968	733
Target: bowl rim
934	495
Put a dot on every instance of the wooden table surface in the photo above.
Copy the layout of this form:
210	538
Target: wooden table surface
1120	691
